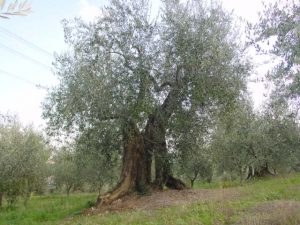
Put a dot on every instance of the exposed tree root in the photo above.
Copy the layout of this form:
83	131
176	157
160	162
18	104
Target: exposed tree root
133	175
125	189
120	191
174	183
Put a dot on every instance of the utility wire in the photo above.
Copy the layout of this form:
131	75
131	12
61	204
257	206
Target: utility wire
26	42
23	79
25	56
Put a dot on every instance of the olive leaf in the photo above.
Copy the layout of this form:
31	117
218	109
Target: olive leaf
15	8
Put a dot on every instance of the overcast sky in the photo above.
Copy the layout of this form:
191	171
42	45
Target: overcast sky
27	45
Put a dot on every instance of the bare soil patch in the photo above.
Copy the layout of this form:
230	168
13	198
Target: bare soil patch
166	198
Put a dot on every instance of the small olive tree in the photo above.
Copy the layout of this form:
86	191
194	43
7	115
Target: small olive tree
191	143
23	157
232	139
65	170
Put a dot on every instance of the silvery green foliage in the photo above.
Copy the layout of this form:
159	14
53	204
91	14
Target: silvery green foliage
189	139
97	167
279	29
83	165
246	140
125	63
233	139
65	170
279	136
23	157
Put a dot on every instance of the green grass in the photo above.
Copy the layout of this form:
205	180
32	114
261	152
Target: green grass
59	209
201	213
50	209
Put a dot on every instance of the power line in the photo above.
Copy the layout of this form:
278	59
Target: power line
26	42
23	79
25	56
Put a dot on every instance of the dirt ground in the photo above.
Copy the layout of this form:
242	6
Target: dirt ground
167	198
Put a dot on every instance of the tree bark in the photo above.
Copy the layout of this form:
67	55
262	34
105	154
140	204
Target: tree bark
134	170
155	142
192	183
68	189
263	171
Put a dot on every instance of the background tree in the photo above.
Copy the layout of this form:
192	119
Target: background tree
189	140
65	170
195	164
259	144
279	29
23	157
280	134
233	139
129	73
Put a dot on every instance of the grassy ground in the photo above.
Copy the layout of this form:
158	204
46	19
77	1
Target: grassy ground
269	201
51	209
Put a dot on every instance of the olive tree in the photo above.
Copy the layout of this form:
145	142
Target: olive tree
189	140
23	157
234	139
280	137
277	33
130	73
256	144
279	29
195	163
65	170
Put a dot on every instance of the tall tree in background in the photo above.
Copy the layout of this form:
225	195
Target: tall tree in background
279	28
131	75
279	144
278	33
234	139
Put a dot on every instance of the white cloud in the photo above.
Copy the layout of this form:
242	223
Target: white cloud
88	11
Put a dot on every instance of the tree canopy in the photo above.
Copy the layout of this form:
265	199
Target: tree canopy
279	29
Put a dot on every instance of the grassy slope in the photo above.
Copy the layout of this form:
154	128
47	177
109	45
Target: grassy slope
55	209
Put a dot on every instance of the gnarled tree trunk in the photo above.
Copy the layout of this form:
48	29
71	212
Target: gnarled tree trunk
155	142
134	171
138	154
